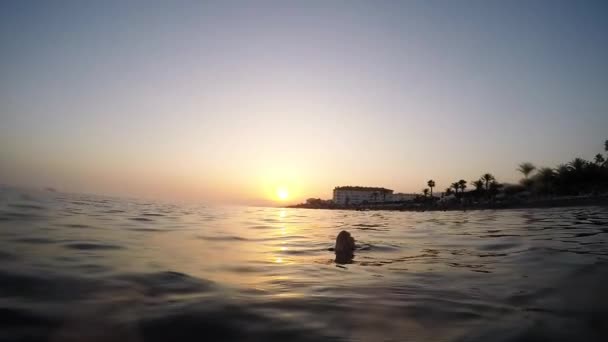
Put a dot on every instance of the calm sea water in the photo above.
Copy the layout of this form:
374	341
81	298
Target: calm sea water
90	268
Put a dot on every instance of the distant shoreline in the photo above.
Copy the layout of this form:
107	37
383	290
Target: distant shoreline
570	201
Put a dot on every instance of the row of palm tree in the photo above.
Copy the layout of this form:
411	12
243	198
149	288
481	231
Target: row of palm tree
484	183
459	185
577	176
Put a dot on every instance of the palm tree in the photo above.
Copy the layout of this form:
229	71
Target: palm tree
455	186
487	178
606	149
448	191
526	168
462	184
563	178
599	159
425	191
546	176
578	164
431	184
494	186
563	169
478	184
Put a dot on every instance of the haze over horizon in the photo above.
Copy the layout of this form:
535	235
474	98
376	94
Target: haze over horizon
234	102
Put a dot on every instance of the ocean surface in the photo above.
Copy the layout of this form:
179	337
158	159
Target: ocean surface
92	268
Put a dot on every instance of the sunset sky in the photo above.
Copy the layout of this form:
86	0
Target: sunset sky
248	101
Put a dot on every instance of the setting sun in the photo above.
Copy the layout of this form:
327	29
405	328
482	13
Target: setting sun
282	193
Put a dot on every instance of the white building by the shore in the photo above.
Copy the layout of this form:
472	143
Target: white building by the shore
345	195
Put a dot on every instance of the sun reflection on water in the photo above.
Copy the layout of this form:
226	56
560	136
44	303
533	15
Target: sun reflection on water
283	231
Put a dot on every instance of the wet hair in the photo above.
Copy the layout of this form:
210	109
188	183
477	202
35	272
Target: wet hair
345	243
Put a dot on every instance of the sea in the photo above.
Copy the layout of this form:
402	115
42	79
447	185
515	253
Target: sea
91	268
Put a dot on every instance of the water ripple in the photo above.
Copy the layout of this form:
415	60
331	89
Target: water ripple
79	267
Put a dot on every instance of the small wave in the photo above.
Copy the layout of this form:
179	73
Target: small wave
79	203
13	215
243	269
586	234
371	261
34	240
76	225
92	268
216	322
300	251
463	265
141	219
50	286
222	238
383	247
168	282
599	223
92	246
153	214
498	246
364	225
262	227
148	230
26	206
113	211
369	228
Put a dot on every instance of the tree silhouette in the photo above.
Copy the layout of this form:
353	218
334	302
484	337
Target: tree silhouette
487	178
478	184
546	177
494	187
562	169
578	165
462	184
455	186
599	159
431	184
526	168
425	191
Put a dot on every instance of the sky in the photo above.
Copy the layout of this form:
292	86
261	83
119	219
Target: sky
235	101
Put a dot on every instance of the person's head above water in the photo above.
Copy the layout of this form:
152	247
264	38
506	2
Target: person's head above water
344	243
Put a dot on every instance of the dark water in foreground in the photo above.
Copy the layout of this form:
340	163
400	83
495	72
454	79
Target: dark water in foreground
84	268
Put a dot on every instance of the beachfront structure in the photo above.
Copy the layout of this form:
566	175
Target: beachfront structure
401	197
345	195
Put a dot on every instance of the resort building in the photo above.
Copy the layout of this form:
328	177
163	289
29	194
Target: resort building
401	197
345	195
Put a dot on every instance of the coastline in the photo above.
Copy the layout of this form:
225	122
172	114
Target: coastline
558	202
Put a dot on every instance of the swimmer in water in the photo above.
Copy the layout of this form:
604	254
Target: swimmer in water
345	246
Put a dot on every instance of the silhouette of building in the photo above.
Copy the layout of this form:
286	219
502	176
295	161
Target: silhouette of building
402	197
345	195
